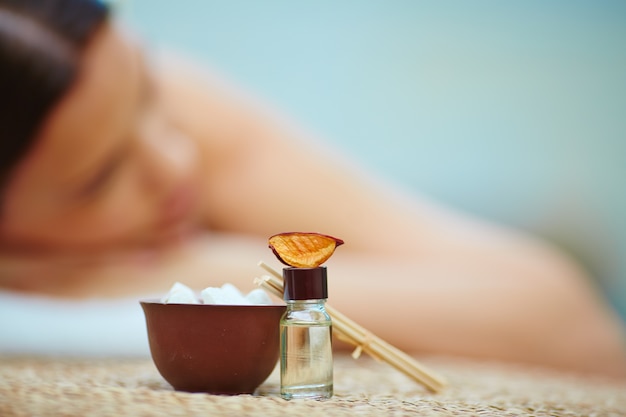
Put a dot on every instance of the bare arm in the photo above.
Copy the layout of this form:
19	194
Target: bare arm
425	277
422	276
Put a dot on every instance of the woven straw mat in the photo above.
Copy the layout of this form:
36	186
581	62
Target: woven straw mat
133	387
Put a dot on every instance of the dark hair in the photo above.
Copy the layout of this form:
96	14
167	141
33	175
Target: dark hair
41	42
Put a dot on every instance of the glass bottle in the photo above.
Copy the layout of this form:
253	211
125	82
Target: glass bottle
306	361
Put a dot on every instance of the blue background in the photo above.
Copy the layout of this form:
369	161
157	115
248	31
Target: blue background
515	111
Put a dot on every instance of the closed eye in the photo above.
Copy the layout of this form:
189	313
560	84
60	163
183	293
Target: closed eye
109	168
102	178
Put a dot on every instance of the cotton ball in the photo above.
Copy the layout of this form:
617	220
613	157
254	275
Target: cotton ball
180	294
258	296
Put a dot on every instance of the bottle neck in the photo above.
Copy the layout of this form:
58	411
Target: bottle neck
305	303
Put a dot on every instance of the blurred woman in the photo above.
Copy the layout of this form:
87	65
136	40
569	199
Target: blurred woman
121	174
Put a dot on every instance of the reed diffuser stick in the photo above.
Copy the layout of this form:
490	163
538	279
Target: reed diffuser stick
364	340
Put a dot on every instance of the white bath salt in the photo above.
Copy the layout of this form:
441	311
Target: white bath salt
180	294
214	295
227	294
258	296
234	294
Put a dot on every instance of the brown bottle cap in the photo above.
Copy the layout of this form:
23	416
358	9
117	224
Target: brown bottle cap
305	283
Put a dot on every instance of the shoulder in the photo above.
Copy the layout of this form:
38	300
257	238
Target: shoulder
206	105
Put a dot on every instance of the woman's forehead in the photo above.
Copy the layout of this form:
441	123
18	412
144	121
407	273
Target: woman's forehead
95	113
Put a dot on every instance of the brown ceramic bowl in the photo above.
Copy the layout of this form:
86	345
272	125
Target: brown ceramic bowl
218	349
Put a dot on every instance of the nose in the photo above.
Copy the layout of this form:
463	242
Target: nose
168	158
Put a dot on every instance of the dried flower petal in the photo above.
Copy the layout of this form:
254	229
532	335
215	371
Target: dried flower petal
303	250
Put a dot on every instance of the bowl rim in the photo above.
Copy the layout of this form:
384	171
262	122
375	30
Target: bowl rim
157	301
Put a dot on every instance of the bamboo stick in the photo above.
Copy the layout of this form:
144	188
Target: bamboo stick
348	331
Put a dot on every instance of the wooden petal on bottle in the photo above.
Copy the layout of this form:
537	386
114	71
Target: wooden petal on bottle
303	250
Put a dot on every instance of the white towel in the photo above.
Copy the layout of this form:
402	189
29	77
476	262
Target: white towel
36	325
